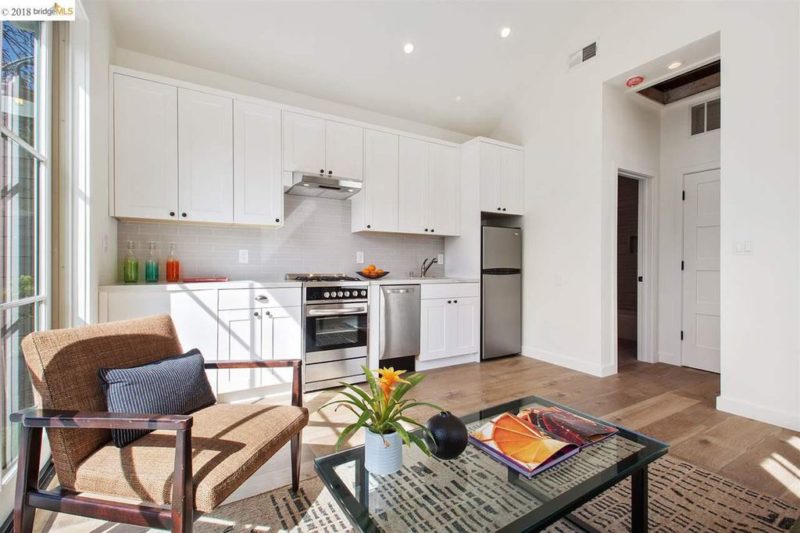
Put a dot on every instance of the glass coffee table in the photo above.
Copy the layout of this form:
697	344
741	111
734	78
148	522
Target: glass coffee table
477	493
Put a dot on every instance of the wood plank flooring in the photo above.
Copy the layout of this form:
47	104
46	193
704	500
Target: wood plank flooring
670	403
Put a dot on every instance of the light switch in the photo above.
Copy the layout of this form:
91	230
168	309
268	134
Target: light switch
244	256
360	258
440	258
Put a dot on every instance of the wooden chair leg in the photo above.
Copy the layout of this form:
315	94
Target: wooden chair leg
30	447
182	484
296	445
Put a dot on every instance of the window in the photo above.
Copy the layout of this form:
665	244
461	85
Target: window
706	116
24	139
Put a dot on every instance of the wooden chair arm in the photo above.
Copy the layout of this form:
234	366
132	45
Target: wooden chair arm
54	418
296	364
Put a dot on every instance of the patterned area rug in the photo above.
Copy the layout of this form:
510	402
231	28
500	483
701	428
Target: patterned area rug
683	498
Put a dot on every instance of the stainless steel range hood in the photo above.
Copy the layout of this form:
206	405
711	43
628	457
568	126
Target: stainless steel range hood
322	186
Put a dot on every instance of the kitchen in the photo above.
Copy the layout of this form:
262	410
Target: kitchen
252	191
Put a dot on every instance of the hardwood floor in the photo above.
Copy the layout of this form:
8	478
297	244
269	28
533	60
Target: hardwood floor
670	403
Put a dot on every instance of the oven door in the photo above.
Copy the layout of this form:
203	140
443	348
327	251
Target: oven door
335	332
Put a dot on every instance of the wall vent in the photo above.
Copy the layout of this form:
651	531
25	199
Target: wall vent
581	56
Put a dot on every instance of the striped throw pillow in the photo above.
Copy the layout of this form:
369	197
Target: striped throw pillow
173	386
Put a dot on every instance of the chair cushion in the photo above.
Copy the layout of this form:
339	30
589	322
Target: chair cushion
229	443
176	385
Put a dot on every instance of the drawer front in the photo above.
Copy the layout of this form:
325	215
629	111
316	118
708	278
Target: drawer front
450	290
335	369
249	298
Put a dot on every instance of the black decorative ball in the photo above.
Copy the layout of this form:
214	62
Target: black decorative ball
449	435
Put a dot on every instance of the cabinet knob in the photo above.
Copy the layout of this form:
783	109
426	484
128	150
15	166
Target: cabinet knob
277	220
330	172
432	230
455	301
504	209
499	208
449	301
183	215
268	314
172	213
256	314
369	226
322	171
426	229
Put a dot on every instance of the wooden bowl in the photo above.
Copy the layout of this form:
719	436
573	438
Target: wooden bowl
372	276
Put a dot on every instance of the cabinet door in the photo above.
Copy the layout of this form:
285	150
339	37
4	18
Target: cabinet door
433	329
303	143
239	339
512	191
145	149
443	189
380	184
413	186
491	175
257	187
344	150
205	156
463	317
281	338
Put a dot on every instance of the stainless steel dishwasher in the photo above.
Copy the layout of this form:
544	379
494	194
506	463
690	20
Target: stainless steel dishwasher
399	321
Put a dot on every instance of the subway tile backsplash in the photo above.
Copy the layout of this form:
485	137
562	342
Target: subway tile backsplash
316	237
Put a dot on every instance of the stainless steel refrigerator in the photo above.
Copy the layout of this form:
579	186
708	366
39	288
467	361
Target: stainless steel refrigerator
501	291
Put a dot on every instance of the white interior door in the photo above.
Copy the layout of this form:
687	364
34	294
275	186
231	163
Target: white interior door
701	289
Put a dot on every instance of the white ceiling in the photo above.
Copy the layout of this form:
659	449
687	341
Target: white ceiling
351	52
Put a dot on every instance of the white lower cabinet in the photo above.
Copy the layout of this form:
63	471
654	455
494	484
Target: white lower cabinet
449	325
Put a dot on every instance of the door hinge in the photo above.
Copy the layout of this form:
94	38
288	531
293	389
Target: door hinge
681	334
683	195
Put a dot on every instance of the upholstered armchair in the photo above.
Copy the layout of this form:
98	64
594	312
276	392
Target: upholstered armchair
187	466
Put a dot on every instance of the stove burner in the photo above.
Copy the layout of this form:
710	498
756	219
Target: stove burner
321	277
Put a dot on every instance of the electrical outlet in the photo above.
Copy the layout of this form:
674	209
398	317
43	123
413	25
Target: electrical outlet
244	257
440	258
360	258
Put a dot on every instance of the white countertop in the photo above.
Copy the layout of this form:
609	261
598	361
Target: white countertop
264	284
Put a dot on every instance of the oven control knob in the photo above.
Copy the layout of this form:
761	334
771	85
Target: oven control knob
363	293
347	294
340	294
326	295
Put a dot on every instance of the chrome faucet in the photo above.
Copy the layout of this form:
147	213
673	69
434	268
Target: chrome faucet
427	265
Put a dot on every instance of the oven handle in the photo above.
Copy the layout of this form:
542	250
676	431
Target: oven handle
360	310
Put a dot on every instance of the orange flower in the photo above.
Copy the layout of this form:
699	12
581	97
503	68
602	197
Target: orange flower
389	377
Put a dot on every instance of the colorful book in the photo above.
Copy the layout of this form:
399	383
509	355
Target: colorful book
538	438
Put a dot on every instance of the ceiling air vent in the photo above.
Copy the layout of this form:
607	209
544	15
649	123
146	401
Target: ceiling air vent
583	55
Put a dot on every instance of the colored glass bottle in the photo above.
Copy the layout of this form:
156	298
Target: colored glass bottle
173	265
130	267
151	265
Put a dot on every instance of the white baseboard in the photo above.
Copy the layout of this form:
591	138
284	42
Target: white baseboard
450	361
787	419
587	367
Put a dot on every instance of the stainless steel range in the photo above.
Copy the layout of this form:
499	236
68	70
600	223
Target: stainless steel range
336	323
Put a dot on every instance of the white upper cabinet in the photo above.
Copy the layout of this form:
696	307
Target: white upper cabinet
257	187
501	173
344	150
428	189
145	149
312	144
375	208
205	156
303	143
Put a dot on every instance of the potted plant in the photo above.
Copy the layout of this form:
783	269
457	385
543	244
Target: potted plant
381	411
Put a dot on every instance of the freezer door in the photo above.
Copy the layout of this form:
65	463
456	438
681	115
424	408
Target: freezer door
502	248
501	315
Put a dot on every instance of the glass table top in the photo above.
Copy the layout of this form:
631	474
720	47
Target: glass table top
474	492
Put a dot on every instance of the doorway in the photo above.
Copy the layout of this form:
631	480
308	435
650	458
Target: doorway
627	269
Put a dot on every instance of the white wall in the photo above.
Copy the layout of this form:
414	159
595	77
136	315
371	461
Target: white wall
559	120
681	152
180	71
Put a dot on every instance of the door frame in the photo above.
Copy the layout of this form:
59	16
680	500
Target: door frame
647	290
695	169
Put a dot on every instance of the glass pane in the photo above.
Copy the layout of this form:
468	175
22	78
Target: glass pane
713	115
20	45
698	119
15	324
18	214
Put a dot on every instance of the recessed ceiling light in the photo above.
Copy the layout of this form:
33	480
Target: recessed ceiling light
458	98
505	31
408	48
674	65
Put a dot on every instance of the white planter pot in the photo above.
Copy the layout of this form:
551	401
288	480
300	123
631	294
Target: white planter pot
383	454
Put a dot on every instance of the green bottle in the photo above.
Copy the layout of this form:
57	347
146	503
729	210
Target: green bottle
151	265
130	267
